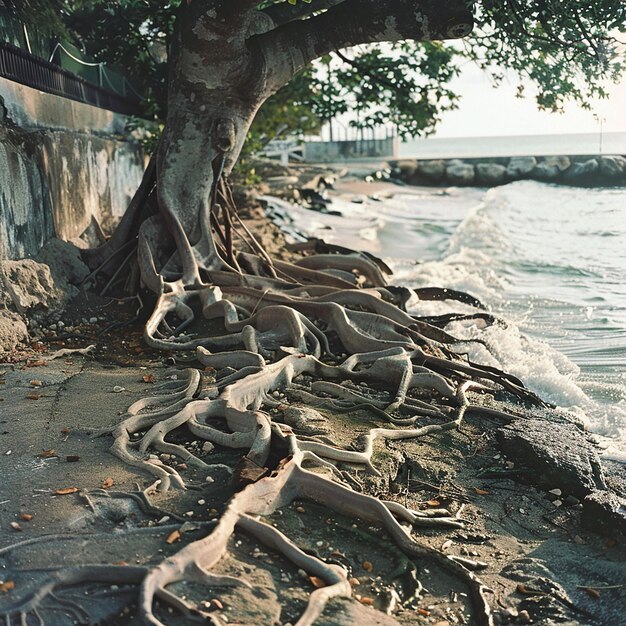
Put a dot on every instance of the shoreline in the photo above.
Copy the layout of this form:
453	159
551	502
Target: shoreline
526	497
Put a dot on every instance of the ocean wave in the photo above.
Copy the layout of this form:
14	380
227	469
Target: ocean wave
539	257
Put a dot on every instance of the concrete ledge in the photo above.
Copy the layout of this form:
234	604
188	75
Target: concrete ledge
31	108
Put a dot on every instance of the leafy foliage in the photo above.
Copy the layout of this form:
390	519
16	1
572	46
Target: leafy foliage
403	85
132	35
567	48
49	14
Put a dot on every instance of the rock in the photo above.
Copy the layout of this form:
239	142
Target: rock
29	285
604	512
37	289
582	172
345	612
551	167
404	169
521	167
490	174
460	174
612	166
430	171
305	420
558	452
64	261
12	330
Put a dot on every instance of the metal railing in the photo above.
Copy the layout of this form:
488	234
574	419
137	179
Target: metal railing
27	69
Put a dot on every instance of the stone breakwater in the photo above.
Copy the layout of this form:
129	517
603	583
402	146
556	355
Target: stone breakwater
491	172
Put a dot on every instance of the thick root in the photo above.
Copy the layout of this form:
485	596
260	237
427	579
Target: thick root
325	332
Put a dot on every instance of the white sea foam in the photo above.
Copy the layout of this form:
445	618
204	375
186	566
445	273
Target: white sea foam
534	255
479	258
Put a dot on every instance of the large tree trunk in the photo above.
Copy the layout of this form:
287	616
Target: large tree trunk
229	58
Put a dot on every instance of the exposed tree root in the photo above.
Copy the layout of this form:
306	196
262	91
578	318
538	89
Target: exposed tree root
326	332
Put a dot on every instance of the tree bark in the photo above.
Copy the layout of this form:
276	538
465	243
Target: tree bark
228	59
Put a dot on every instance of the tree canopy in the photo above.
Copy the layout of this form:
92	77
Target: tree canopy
567	50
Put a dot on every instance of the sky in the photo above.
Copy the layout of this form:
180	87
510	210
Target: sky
487	111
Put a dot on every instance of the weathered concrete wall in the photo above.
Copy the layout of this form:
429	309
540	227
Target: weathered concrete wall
62	164
333	151
30	108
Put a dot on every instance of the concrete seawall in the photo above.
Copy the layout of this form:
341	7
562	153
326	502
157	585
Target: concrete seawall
64	165
583	170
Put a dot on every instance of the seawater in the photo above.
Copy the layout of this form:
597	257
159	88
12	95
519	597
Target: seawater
519	145
548	260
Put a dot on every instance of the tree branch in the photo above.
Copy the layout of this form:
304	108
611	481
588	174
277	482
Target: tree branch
371	75
282	13
292	46
242	5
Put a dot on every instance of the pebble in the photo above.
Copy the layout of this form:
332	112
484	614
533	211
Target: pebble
555	492
207	447
189	513
523	617
300	509
201	501
209	479
557	503
118	389
93	320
